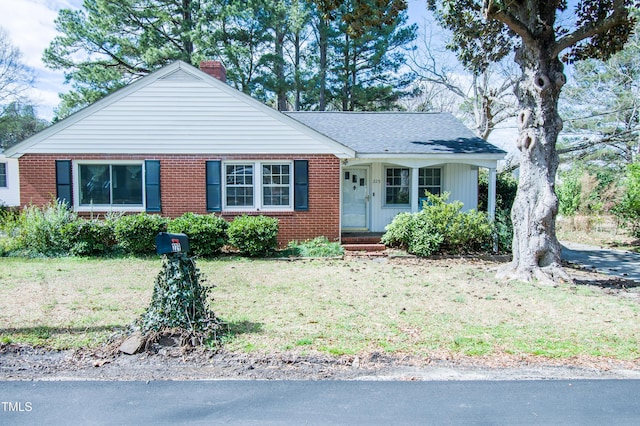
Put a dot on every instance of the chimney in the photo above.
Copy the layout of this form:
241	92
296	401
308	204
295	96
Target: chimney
214	69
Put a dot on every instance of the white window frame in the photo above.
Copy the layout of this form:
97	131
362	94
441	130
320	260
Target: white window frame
403	205
258	202
106	207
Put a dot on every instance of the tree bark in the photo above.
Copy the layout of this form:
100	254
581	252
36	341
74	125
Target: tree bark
536	250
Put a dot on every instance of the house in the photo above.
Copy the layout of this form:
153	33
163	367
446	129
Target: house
181	140
9	181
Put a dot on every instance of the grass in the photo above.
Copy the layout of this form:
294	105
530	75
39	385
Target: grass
402	306
597	230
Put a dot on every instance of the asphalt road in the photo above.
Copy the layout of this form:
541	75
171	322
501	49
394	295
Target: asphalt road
580	402
619	263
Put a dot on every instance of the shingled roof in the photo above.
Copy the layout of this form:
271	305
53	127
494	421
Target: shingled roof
397	132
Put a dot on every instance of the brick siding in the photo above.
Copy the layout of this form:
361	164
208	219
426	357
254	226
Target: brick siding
183	188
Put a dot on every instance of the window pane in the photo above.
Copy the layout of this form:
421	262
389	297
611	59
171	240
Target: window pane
430	181
126	184
239	179
275	185
398	186
3	175
95	184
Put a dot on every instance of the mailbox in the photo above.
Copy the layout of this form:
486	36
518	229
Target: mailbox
171	243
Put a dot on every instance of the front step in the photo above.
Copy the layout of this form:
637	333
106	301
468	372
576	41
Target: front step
367	242
364	247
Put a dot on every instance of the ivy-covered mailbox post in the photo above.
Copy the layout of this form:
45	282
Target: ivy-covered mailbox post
179	304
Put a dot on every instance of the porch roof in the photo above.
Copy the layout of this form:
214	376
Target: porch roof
395	133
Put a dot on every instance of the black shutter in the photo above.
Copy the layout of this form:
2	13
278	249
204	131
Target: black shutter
152	185
301	185
214	187
63	181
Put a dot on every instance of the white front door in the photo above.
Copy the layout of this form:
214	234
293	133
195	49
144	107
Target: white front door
355	198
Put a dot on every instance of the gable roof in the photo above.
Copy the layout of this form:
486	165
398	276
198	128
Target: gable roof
179	109
398	133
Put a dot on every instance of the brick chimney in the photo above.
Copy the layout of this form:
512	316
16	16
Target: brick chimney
214	69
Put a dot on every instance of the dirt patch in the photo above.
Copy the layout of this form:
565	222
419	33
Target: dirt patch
170	363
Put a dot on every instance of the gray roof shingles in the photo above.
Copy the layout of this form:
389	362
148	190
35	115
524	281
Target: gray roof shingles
397	132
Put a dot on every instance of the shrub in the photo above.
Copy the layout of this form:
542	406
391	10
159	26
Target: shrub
628	209
254	235
39	230
207	233
503	228
400	231
90	237
318	247
506	188
136	233
440	226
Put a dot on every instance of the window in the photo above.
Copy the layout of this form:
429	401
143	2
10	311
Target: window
429	179
257	185
110	185
3	175
275	185
397	186
239	185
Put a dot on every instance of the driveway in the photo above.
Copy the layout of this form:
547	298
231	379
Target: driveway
623	264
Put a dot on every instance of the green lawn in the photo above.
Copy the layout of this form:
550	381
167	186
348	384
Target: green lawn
411	306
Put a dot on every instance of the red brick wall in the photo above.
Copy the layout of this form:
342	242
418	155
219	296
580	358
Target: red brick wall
183	188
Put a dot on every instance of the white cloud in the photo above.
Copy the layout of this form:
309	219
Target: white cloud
30	27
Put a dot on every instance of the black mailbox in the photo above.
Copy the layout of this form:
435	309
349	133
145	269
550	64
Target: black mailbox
171	243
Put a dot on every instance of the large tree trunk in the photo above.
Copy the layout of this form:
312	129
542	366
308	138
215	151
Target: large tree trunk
536	250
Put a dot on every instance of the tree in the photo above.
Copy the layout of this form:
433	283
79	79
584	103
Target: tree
484	98
485	32
18	118
110	43
15	76
366	50
601	104
17	122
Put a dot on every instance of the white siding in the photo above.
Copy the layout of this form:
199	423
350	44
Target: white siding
10	195
461	180
181	113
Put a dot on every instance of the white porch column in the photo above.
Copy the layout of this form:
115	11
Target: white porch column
491	196
414	197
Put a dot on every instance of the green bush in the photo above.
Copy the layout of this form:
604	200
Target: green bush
207	233
503	230
506	188
136	233
440	227
317	247
628	209
39	230
254	235
93	237
400	231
